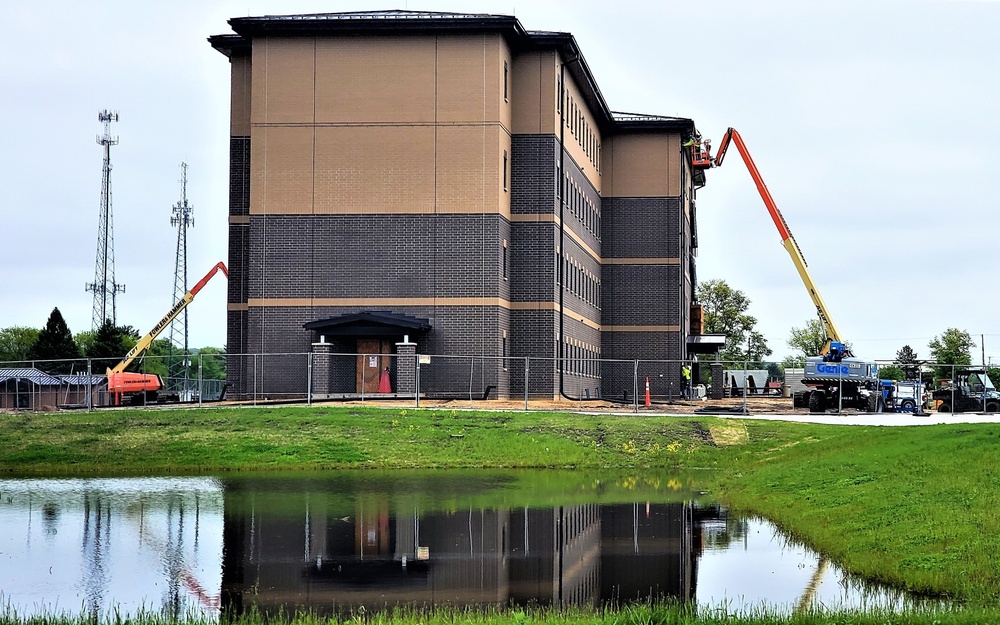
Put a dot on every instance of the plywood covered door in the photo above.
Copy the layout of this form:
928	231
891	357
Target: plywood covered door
372	360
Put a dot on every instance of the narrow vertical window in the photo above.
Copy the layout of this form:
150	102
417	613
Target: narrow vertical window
505	260
505	81
559	100
505	170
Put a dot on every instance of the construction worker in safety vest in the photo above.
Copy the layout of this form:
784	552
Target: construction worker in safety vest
694	142
686	378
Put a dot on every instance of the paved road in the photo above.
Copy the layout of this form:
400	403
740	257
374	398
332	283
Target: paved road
888	419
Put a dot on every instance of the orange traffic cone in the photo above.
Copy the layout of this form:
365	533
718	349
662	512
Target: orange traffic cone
647	391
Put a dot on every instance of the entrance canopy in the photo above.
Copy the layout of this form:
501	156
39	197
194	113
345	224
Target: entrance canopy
705	343
369	324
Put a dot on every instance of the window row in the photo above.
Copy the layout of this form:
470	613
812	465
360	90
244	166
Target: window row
580	205
578	281
581	130
581	359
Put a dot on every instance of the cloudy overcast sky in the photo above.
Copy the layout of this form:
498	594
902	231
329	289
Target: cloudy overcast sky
873	123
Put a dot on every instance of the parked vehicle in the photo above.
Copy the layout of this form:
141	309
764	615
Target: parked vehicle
906	396
972	390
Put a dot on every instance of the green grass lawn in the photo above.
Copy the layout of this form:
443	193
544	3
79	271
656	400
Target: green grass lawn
916	507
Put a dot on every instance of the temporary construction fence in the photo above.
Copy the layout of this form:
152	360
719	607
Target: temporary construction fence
82	384
410	379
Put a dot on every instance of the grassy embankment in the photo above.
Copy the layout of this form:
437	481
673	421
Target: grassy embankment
914	507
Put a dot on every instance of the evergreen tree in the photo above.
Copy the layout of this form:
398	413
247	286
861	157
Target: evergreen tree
55	342
110	344
906	360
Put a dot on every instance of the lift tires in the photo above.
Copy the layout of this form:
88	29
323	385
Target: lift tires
908	405
801	399
992	407
944	408
875	403
817	402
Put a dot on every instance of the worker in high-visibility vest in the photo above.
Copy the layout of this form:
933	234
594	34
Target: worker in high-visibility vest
686	378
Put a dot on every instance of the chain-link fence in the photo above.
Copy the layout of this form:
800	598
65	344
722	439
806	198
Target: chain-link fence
489	381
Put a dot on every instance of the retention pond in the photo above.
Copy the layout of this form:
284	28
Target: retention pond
341	541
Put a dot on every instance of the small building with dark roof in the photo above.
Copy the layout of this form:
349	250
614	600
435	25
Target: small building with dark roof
458	170
29	388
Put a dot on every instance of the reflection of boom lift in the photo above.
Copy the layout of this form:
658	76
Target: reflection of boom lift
835	377
143	387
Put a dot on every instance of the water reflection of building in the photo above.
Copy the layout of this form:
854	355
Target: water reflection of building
570	555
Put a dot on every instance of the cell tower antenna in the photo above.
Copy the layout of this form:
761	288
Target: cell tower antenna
104	287
179	361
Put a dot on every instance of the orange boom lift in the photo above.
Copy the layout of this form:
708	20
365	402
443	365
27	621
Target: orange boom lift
142	387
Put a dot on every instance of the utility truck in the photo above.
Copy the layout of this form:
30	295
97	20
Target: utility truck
143	388
836	379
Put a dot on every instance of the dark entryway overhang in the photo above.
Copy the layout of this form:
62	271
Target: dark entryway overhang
369	324
705	343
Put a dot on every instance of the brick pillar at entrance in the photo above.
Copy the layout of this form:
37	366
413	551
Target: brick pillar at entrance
718	390
321	368
406	367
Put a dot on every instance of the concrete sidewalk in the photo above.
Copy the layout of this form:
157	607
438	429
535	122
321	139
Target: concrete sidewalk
882	418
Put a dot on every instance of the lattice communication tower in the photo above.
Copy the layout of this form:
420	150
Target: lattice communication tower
104	287
179	361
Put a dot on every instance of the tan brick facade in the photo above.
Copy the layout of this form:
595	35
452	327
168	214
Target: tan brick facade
457	169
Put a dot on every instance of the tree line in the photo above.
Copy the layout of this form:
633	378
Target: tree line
58	350
725	312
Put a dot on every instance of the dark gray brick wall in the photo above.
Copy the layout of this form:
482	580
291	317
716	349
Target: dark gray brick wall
659	354
641	227
239	175
377	256
533	183
239	205
533	262
641	295
535	334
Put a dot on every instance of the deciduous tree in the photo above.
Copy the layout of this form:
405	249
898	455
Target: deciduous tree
16	342
725	312
952	347
807	340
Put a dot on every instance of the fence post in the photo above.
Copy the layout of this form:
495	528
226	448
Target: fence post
90	385
526	360
201	378
255	379
416	378
746	364
953	389
635	387
309	378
